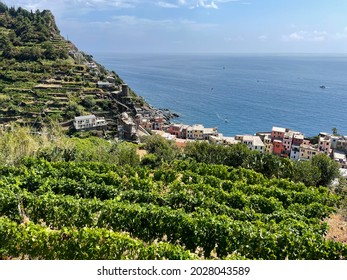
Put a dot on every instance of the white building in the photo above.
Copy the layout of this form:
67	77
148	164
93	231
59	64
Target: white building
295	152
88	122
224	140
207	132
254	143
341	159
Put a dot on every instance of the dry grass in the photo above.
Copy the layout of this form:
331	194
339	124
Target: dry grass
337	228
141	153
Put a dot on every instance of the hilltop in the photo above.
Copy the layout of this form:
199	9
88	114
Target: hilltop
45	79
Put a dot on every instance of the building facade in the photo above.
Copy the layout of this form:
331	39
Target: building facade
89	122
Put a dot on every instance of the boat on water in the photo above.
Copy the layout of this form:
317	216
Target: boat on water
322	86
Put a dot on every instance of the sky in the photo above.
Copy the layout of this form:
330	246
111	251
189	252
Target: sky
200	26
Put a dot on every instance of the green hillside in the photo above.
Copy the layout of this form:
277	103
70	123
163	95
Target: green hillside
45	79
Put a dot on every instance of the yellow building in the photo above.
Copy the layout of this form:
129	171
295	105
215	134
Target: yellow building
307	152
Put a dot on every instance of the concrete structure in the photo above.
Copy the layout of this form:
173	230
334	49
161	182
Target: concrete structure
324	144
165	135
175	129
295	153
298	139
277	133
220	139
278	147
334	140
268	144
125	90
101	84
157	123
254	143
342	143
195	132
207	132
340	158
308	152
127	128
287	142
89	122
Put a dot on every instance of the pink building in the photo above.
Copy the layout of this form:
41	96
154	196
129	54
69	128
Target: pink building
277	133
298	139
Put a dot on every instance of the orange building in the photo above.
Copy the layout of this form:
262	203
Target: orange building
278	147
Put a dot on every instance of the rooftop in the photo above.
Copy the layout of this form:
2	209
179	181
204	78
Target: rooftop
278	129
88	117
196	127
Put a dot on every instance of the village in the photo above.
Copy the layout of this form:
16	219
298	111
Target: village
280	141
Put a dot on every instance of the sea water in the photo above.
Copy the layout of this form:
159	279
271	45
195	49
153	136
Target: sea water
241	94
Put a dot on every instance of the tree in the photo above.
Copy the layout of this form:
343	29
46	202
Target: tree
164	150
73	110
328	168
206	152
126	153
89	102
3	8
50	52
29	53
4	43
306	172
211	153
334	130
237	154
269	165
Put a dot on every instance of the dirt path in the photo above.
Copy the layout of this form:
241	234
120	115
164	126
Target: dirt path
337	228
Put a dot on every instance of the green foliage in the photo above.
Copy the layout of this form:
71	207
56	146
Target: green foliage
234	155
39	242
269	165
233	212
73	109
306	172
3	8
150	160
126	153
163	149
319	171
15	146
89	102
328	168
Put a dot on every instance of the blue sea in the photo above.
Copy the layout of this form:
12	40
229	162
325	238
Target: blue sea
241	94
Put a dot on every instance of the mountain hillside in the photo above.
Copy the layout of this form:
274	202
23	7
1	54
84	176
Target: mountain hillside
45	78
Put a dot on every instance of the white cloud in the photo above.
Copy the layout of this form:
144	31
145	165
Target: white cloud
295	36
178	24
166	5
208	4
318	36
308	36
234	39
262	37
132	20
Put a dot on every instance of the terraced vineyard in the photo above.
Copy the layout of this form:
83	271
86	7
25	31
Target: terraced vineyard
45	79
184	210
